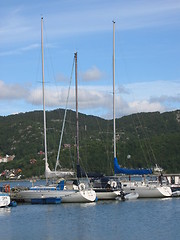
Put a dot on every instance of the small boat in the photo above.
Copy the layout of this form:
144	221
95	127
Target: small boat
131	196
128	196
176	194
4	199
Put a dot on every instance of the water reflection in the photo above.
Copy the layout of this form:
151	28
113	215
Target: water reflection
5	211
86	205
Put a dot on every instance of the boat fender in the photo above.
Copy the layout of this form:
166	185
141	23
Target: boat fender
7	188
82	186
113	184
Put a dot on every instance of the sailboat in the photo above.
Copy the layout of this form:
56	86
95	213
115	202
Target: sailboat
143	188
51	193
108	188
61	173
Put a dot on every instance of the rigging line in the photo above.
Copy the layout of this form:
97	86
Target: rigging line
146	143
139	140
147	140
49	56
103	136
82	166
62	131
71	157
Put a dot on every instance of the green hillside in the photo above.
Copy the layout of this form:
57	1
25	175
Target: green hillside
143	140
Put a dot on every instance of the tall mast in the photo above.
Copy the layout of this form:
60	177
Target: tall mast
114	120
44	112
77	118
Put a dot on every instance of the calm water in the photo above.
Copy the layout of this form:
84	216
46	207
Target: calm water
140	219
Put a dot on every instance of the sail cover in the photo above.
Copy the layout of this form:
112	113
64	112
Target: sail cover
80	172
118	169
60	174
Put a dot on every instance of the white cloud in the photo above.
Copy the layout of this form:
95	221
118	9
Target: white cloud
145	106
166	98
153	89
92	74
97	100
14	27
61	78
11	91
20	50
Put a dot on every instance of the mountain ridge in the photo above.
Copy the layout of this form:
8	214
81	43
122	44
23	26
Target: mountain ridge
146	138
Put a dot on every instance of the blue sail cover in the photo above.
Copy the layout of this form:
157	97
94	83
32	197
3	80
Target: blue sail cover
118	169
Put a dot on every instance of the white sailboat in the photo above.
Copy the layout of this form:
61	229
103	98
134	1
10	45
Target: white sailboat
146	189
108	188
141	188
37	193
83	185
62	173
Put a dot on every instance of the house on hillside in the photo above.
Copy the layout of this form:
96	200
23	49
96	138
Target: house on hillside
66	145
11	173
32	161
7	158
41	153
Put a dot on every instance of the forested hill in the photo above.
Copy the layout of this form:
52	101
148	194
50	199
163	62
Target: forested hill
143	140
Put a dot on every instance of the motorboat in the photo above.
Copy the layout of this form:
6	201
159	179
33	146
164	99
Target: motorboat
128	196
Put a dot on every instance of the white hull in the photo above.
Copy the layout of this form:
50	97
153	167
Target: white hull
176	194
83	196
131	196
4	199
128	196
106	195
66	195
147	190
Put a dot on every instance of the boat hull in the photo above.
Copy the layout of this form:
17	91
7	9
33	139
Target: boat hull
65	195
4	199
128	196
83	196
103	194
147	191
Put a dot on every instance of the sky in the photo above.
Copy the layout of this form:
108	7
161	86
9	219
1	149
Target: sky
147	55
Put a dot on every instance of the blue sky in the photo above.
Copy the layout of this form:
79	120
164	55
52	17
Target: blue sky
147	55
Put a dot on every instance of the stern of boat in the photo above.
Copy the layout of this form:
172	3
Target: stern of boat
89	195
165	191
